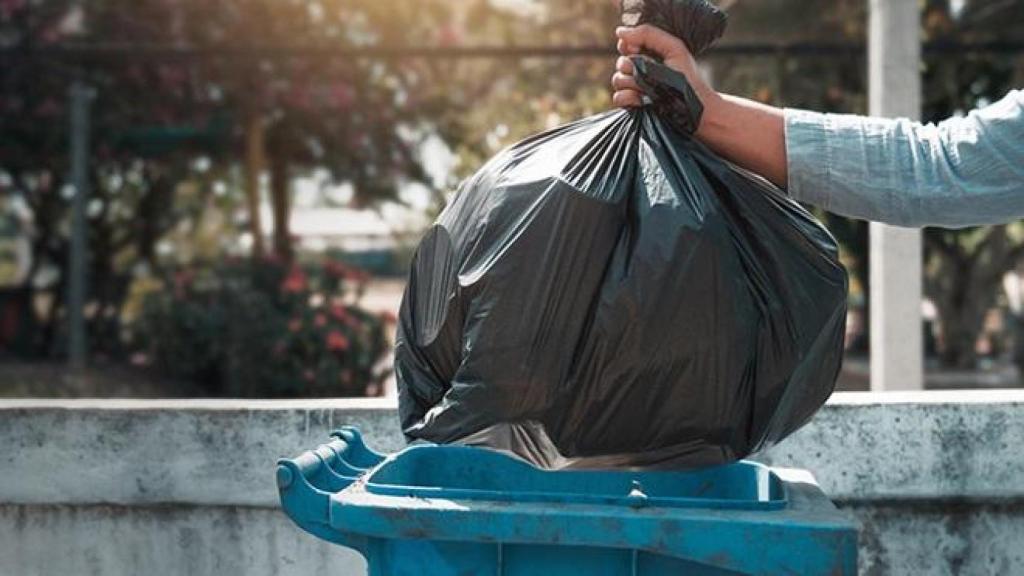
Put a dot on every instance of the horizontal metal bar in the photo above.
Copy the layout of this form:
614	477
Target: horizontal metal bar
86	53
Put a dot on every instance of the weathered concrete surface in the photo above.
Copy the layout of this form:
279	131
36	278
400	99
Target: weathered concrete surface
964	445
196	452
128	487
174	540
940	538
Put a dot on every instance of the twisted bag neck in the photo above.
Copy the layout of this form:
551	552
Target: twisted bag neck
669	94
698	23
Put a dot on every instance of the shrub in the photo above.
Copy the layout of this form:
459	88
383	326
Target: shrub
265	329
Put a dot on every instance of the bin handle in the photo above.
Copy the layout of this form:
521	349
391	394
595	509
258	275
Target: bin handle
307	482
305	485
353	450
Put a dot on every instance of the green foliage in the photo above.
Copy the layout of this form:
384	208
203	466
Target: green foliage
265	329
362	119
156	119
964	268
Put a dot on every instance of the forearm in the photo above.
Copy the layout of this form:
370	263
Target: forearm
962	172
747	133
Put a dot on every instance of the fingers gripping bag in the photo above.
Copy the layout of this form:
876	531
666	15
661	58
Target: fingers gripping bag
611	293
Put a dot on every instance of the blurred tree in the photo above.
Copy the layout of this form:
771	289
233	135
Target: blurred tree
163	119
964	269
496	102
168	123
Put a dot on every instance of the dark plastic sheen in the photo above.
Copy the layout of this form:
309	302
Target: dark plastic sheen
611	293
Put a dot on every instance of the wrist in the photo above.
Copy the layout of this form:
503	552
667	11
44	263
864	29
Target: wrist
712	118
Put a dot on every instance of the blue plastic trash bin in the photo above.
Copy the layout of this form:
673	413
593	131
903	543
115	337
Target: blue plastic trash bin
455	510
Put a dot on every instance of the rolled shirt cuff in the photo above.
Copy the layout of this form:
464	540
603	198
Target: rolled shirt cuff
807	157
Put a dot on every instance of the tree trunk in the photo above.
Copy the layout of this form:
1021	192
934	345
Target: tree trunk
280	202
255	161
964	284
960	330
152	224
861	270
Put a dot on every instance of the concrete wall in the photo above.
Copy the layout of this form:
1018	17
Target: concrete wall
186	487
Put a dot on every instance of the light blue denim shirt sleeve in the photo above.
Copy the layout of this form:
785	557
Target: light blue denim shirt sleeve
964	171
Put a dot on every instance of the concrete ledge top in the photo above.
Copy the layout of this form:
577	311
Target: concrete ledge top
988	396
897	446
131	404
929	397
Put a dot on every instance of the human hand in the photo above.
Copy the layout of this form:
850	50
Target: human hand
672	52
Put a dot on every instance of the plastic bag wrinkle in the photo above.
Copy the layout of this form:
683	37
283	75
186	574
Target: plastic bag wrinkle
610	293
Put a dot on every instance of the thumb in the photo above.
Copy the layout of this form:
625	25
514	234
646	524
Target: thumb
651	39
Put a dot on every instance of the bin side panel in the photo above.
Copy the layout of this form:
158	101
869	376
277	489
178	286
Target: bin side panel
387	557
529	560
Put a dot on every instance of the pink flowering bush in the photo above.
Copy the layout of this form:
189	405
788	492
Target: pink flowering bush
266	329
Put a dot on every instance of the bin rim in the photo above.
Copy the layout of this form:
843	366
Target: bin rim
327	492
772	492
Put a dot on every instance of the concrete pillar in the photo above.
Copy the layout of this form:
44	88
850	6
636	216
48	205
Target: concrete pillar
894	83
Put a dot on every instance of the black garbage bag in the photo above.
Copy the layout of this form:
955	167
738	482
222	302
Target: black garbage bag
611	293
